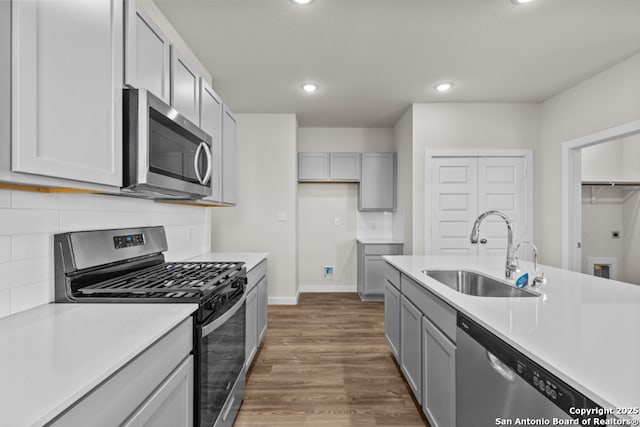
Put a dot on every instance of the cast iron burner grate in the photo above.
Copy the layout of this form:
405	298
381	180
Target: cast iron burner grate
171	279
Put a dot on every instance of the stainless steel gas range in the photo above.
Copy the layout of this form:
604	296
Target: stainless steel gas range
128	266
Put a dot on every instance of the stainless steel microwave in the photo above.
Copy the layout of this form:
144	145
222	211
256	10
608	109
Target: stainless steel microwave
165	155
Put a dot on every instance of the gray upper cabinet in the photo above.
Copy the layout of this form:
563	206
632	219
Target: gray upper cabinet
147	49
313	167
344	167
185	86
66	115
211	123
328	167
229	158
378	182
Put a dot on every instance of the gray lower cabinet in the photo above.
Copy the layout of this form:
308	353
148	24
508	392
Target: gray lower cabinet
425	347
378	182
438	376
155	388
411	345
263	303
251	342
171	404
392	318
256	310
372	268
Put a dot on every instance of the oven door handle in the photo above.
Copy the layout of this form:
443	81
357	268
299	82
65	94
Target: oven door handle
207	329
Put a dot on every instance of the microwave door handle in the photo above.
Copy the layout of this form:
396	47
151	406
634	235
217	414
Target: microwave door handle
196	163
207	175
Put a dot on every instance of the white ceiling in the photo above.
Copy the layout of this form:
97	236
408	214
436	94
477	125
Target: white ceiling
373	58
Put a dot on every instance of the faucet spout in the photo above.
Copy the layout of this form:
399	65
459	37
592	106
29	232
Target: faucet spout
511	265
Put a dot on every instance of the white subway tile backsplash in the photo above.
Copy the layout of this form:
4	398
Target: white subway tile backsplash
5	199
29	246
28	221
23	221
58	201
5	302
29	296
5	249
24	272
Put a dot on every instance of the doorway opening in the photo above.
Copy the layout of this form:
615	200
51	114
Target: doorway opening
601	203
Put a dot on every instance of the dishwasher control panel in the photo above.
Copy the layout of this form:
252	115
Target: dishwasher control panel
544	382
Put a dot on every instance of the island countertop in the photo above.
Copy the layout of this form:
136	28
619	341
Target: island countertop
583	329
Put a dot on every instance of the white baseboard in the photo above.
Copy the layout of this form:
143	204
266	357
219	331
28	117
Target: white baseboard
328	288
285	300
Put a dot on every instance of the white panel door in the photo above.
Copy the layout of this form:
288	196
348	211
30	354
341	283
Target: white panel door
464	187
501	186
454	204
67	78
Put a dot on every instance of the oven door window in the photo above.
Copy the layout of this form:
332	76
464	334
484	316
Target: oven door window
221	362
172	149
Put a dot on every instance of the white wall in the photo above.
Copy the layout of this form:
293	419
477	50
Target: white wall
28	221
612	161
267	185
320	241
403	145
608	99
465	126
599	219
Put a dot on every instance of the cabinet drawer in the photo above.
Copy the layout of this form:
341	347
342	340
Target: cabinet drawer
256	273
375	249
392	275
436	310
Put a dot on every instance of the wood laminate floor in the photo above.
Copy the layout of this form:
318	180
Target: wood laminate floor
325	362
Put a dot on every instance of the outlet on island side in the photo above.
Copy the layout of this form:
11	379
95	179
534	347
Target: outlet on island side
327	272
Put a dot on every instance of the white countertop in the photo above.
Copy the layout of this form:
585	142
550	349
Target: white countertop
54	354
250	259
379	241
583	329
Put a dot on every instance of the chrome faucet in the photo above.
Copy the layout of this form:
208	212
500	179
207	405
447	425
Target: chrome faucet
538	279
511	266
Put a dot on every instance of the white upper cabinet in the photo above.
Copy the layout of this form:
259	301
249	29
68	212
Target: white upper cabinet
229	158
148	61
211	123
185	86
67	78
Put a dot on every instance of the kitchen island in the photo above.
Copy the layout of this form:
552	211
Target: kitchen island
583	329
54	357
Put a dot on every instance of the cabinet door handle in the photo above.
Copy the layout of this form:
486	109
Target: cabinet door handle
483	241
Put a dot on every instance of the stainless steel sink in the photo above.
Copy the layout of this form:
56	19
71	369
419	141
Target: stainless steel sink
476	284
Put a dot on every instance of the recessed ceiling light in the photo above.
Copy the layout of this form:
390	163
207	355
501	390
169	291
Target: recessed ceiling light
443	87
520	1
309	87
302	1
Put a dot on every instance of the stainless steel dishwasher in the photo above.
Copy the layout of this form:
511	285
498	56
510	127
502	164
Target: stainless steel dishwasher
496	382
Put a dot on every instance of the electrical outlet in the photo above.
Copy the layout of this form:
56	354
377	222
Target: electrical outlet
327	272
337	221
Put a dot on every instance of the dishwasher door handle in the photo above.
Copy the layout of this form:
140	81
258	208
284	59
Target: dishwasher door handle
502	369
